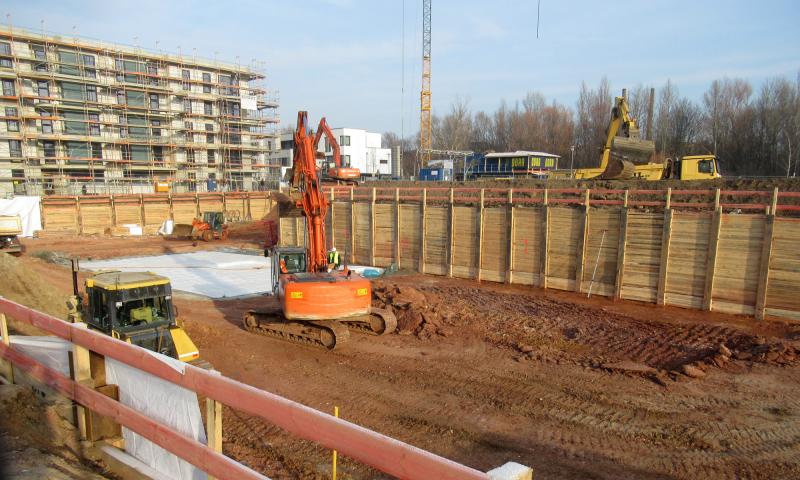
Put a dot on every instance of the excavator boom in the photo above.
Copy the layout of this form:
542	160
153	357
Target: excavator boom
338	173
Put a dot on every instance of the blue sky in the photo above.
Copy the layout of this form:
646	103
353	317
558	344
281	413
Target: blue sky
342	58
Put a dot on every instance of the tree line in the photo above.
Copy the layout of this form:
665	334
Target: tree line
752	132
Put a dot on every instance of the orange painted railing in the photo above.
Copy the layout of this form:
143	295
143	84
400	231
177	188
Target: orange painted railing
371	448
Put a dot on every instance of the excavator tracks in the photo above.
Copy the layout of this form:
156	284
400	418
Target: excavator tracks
379	322
325	334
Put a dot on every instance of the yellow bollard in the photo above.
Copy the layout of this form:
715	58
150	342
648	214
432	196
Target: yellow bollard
335	414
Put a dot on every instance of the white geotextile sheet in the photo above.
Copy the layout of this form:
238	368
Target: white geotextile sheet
28	210
165	402
211	274
160	400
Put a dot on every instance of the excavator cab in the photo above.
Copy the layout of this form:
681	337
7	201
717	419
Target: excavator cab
135	307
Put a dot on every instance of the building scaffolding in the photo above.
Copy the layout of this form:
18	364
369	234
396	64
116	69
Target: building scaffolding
80	116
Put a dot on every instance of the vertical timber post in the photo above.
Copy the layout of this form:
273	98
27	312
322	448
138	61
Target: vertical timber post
666	238
79	215
82	373
333	228
480	236
113	211
713	247
510	233
584	245
214	426
171	209
422	231
766	255
352	226
451	242
7	366
397	226
623	232
544	269
372	227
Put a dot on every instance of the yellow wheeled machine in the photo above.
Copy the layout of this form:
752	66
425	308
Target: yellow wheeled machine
135	307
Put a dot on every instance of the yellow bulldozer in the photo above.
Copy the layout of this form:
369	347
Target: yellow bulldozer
135	307
627	156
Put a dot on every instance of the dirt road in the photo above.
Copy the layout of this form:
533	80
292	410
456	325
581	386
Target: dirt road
488	373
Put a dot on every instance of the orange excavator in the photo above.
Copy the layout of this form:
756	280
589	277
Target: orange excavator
319	304
336	173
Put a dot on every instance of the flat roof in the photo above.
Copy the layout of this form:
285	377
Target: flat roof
520	153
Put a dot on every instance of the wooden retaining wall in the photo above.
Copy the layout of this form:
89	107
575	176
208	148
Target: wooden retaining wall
93	214
665	247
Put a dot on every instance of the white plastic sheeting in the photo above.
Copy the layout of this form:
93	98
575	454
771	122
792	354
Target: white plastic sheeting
160	400
166	403
28	210
211	274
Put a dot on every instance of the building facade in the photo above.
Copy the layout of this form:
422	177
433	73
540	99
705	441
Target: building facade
79	116
358	148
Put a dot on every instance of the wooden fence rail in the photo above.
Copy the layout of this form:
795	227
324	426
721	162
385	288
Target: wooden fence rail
704	249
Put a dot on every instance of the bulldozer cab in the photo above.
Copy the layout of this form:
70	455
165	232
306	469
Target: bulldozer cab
132	306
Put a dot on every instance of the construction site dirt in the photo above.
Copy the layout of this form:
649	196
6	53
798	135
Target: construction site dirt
485	373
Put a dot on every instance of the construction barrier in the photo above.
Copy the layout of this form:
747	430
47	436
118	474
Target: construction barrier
374	449
727	251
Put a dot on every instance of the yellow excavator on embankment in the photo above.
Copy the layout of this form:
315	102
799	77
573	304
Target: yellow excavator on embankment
627	156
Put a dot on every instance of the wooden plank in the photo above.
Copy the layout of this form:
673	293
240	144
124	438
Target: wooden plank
510	236
437	238
385	234
480	237
545	242
452	234
397	226
529	232
422	235
763	270
643	239
687	267
602	244
410	231
582	244
362	234
565	231
666	238
711	260
352	228
465	248
494	260
372	228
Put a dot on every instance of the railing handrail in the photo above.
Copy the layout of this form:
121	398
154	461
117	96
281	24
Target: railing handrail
366	446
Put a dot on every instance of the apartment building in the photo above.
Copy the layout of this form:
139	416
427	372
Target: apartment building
80	116
358	148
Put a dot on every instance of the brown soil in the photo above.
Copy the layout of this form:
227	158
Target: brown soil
488	373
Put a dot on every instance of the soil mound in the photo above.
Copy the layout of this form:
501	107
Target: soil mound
23	285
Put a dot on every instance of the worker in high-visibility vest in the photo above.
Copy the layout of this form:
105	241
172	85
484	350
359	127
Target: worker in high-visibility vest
333	259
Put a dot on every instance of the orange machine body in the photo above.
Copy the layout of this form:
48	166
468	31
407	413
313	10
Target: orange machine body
322	296
344	173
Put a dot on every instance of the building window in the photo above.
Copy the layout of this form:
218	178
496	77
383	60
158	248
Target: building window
206	83
209	127
41	58
188	126
152	73
327	146
123	129
12	124
47	124
6	63
5	48
211	157
126	152
49	149
120	97
97	150
153	101
8	88
73	91
156	131
119	66
190	156
384	162
185	75
43	88
208	109
94	124
210	138
15	148
91	93
135	98
187	105
344	140
75	123
158	156
68	63
88	66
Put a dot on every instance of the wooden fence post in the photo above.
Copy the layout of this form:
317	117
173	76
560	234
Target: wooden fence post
766	255
397	226
510	233
333	229
623	232
372	228
82	373
79	215
480	236
7	366
713	247
423	229
214	425
352	226
584	245
113	211
452	237
544	268
171	208
666	238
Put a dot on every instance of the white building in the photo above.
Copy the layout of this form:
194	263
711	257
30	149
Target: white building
358	149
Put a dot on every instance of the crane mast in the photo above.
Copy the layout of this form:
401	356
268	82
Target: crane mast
425	94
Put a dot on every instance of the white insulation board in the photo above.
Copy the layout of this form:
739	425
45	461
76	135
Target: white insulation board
211	274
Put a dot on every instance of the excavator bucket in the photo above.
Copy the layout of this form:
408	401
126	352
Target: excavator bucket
634	150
